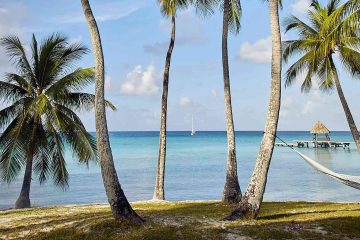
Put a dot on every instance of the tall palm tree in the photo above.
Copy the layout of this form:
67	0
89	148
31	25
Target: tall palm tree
43	96
231	21
318	42
339	29
251	201
169	8
119	204
231	10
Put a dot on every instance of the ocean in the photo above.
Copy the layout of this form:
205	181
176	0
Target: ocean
195	170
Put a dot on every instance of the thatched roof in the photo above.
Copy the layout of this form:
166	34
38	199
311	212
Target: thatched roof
319	128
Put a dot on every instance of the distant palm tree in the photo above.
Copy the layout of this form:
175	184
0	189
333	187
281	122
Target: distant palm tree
40	119
318	42
231	21
169	8
119	204
250	203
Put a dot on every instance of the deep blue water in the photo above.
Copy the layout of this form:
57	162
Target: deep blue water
195	170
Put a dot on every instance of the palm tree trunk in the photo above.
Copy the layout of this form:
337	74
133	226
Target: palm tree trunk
23	200
349	117
232	192
119	204
251	202
159	193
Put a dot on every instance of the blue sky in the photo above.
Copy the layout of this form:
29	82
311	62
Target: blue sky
135	37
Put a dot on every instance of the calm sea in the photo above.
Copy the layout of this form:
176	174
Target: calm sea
195	170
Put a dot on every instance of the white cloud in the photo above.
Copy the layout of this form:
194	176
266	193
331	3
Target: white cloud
257	52
185	101
300	7
108	11
141	82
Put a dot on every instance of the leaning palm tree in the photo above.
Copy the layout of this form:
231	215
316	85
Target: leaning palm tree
43	96
231	21
250	203
169	8
119	204
318	43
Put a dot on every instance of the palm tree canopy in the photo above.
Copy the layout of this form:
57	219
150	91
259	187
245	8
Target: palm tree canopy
169	8
317	43
42	98
205	8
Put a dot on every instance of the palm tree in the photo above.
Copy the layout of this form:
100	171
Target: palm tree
339	28
169	8
119	204
231	21
318	43
43	96
252	199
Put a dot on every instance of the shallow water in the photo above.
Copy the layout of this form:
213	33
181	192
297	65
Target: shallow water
195	169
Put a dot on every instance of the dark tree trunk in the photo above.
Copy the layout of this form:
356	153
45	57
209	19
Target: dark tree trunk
119	204
349	117
159	193
251	202
232	192
23	200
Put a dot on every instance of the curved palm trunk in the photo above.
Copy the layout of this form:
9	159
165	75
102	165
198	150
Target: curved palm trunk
250	203
349	117
23	200
160	176
232	192
119	204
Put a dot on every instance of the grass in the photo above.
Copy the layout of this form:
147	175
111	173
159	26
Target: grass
185	220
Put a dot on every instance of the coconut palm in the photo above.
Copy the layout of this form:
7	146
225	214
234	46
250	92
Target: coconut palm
318	43
250	203
231	10
169	9
231	21
40	118
119	204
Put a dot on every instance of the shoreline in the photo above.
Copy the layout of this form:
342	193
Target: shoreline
166	202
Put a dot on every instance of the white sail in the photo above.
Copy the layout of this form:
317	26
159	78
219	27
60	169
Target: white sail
193	132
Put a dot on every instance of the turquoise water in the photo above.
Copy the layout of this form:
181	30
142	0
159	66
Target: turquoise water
195	170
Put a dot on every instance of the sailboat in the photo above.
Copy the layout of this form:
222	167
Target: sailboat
192	126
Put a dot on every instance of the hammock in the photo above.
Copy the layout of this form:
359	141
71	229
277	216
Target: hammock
352	181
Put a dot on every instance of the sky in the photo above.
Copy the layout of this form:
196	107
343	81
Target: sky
135	37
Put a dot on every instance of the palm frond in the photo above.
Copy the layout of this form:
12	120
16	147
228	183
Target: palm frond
13	145
351	60
169	8
21	82
17	54
80	101
205	8
77	80
10	92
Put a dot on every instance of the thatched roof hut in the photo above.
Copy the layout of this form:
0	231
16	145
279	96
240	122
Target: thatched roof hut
319	128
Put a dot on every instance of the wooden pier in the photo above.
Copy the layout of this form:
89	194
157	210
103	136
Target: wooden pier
316	144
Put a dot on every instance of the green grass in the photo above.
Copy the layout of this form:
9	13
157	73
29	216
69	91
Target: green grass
185	220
